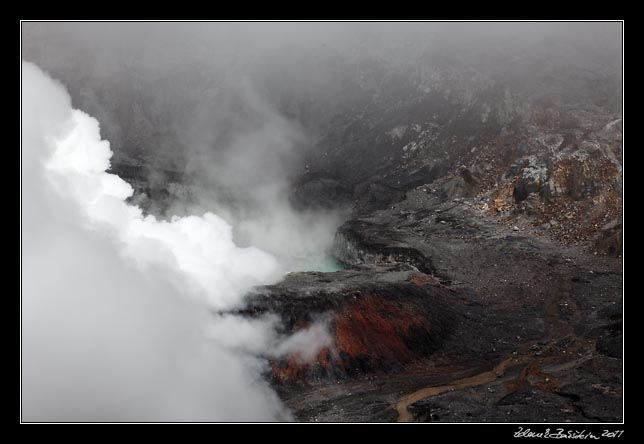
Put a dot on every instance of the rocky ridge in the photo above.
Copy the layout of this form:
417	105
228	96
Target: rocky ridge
501	325
483	255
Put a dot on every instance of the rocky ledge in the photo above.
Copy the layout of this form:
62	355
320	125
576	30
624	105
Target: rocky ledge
444	314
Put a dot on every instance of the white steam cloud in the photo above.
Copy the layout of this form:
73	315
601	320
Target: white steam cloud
201	248
108	333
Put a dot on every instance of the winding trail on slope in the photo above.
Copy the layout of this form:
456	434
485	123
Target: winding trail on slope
558	328
482	378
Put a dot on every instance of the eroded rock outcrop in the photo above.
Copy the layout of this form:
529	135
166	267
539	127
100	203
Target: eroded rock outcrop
501	319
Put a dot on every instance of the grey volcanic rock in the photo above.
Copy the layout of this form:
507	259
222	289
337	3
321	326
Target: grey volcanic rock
382	319
609	239
328	192
495	325
362	242
485	179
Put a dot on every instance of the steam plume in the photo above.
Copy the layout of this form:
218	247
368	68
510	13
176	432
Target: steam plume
108	332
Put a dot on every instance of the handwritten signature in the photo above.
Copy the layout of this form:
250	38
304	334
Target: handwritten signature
566	434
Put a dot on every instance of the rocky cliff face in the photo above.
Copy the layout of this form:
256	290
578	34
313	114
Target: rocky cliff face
483	277
529	156
483	270
502	325
505	204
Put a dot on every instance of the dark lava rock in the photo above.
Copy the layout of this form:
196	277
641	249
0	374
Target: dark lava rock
440	289
609	239
610	340
437	295
319	190
377	194
362	242
524	405
382	320
595	401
